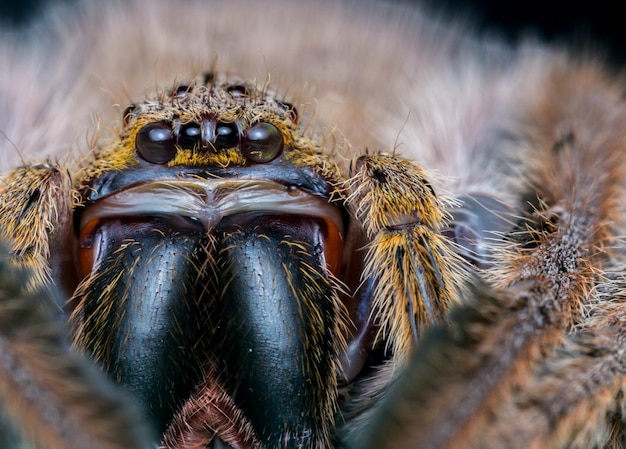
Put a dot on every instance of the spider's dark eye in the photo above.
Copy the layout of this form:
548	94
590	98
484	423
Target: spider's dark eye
181	91
238	90
127	114
262	143
155	143
208	77
189	135
226	135
292	112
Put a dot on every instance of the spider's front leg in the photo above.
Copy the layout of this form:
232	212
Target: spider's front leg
415	275
43	384
517	371
36	220
404	276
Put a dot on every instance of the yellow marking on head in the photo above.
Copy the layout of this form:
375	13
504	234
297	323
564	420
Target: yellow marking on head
208	158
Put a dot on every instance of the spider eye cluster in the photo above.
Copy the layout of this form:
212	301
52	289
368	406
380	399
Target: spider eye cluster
158	142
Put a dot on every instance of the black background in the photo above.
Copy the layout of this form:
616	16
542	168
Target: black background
600	24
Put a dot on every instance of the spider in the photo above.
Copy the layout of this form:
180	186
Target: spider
438	267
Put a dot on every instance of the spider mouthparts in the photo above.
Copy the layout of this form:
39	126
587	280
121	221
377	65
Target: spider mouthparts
171	311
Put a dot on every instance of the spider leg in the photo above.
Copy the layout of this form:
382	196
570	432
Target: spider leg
44	385
574	398
495	379
35	217
414	270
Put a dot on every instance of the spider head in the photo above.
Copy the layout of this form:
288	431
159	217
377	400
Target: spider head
212	242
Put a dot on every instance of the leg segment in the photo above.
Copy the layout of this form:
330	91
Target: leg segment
415	272
35	218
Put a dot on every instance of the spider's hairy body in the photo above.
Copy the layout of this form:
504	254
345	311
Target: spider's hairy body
534	381
259	281
188	215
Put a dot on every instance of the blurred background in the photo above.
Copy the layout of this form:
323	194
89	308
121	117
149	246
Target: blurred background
588	25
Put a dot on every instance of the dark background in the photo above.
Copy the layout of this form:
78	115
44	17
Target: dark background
601	23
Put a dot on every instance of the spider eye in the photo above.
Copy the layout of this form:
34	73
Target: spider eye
291	110
262	142
226	135
189	136
208	77
181	91
238	90
127	114
155	143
